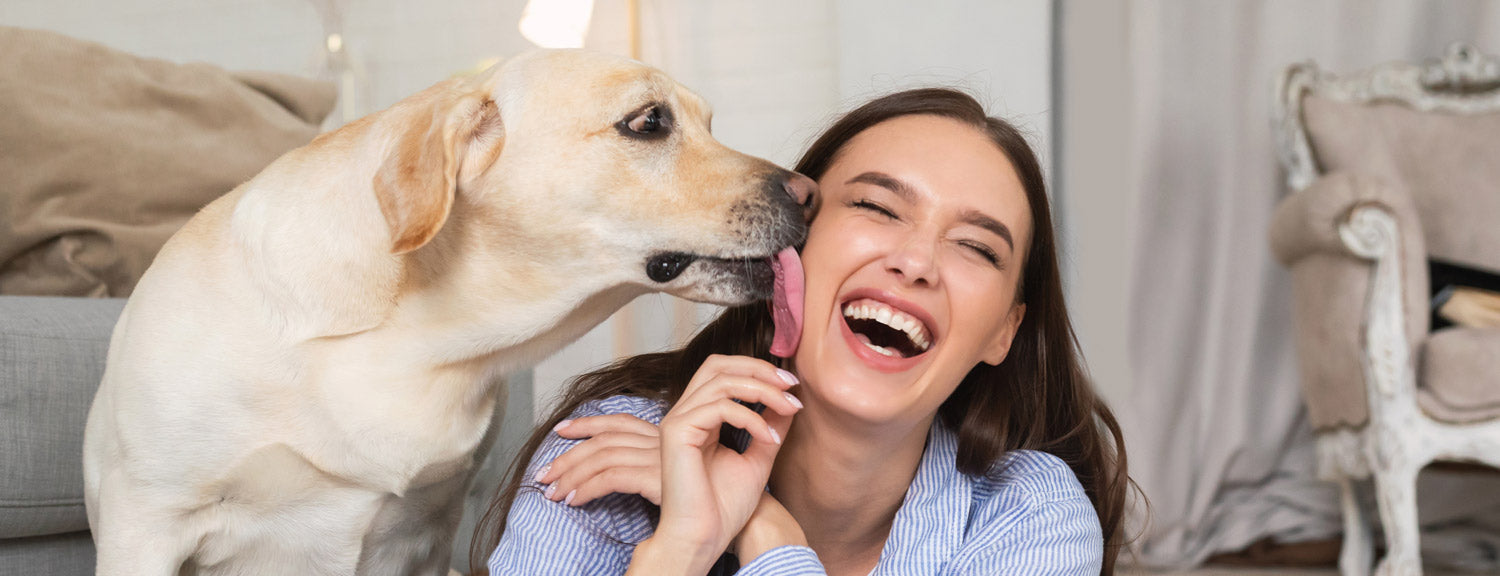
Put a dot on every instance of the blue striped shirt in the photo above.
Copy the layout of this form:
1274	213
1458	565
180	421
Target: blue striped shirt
1029	515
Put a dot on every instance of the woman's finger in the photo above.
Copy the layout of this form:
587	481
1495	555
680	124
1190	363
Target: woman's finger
700	426
595	425
642	480
740	366
589	450
749	390
782	424
756	391
600	461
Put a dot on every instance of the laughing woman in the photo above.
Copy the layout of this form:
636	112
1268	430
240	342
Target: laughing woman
932	416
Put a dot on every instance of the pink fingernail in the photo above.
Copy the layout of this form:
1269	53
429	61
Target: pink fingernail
793	400
561	425
775	436
542	473
788	377
568	500
551	489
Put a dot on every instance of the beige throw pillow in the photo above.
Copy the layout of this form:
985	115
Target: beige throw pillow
104	155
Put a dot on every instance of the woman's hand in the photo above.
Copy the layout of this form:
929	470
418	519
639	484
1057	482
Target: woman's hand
620	453
708	490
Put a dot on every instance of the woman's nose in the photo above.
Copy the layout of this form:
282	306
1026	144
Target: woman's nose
915	262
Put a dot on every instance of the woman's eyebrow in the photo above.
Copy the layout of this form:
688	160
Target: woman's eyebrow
888	182
979	219
907	193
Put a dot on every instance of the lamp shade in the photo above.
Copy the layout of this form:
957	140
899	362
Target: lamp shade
556	23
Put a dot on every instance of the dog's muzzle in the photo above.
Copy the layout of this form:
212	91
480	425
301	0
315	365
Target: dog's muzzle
663	268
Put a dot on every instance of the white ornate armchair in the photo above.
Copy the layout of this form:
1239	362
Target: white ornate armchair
1388	168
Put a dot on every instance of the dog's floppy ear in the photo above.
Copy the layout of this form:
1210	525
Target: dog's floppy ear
417	181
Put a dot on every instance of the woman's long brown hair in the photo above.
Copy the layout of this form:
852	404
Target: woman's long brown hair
1039	398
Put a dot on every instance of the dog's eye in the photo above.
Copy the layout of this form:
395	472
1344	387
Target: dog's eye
646	123
653	122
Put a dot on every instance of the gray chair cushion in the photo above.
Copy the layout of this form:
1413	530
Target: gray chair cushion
1460	374
51	360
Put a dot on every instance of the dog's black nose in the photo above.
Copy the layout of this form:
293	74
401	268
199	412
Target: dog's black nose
663	268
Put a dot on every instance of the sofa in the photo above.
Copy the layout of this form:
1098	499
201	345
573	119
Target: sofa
51	358
103	155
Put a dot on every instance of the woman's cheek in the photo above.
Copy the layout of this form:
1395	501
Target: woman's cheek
871	239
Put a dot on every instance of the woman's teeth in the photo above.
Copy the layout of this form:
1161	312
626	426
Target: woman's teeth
900	321
880	349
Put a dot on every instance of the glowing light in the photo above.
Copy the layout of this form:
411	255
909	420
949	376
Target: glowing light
556	23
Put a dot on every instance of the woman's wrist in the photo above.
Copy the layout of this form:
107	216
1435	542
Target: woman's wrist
670	557
770	527
762	538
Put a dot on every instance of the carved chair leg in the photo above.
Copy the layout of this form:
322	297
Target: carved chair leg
1358	550
1396	490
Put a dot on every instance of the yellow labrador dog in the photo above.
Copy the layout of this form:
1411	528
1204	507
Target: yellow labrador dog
300	382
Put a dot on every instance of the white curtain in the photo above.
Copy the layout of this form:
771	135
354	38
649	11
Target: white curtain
1217	433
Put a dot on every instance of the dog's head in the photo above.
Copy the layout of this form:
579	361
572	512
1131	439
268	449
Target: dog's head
584	160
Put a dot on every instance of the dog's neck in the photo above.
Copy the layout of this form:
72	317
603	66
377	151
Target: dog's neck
501	304
540	291
500	332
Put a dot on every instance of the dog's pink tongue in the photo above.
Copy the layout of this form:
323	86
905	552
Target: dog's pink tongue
786	302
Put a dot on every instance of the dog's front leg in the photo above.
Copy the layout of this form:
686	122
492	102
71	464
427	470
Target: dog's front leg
422	524
132	538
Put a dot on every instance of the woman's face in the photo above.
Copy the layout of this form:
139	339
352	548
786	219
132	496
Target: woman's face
911	268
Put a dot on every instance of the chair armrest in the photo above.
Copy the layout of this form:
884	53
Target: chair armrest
1308	221
1333	287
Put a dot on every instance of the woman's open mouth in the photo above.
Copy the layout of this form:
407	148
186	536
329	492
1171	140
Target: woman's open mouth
884	335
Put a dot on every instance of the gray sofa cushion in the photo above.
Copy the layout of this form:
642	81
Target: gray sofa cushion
51	360
59	555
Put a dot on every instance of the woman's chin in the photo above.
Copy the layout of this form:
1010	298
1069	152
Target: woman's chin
863	397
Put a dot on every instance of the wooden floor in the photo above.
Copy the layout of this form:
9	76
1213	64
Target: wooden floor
1234	571
1226	571
1229	571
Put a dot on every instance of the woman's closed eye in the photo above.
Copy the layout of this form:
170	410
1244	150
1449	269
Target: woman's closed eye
985	252
979	249
873	207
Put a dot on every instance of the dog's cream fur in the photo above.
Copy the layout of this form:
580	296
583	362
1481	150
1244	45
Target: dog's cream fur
302	380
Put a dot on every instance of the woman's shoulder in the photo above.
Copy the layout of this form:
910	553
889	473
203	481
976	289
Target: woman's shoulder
1040	475
646	409
1031	510
1030	507
543	536
553	445
620	517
